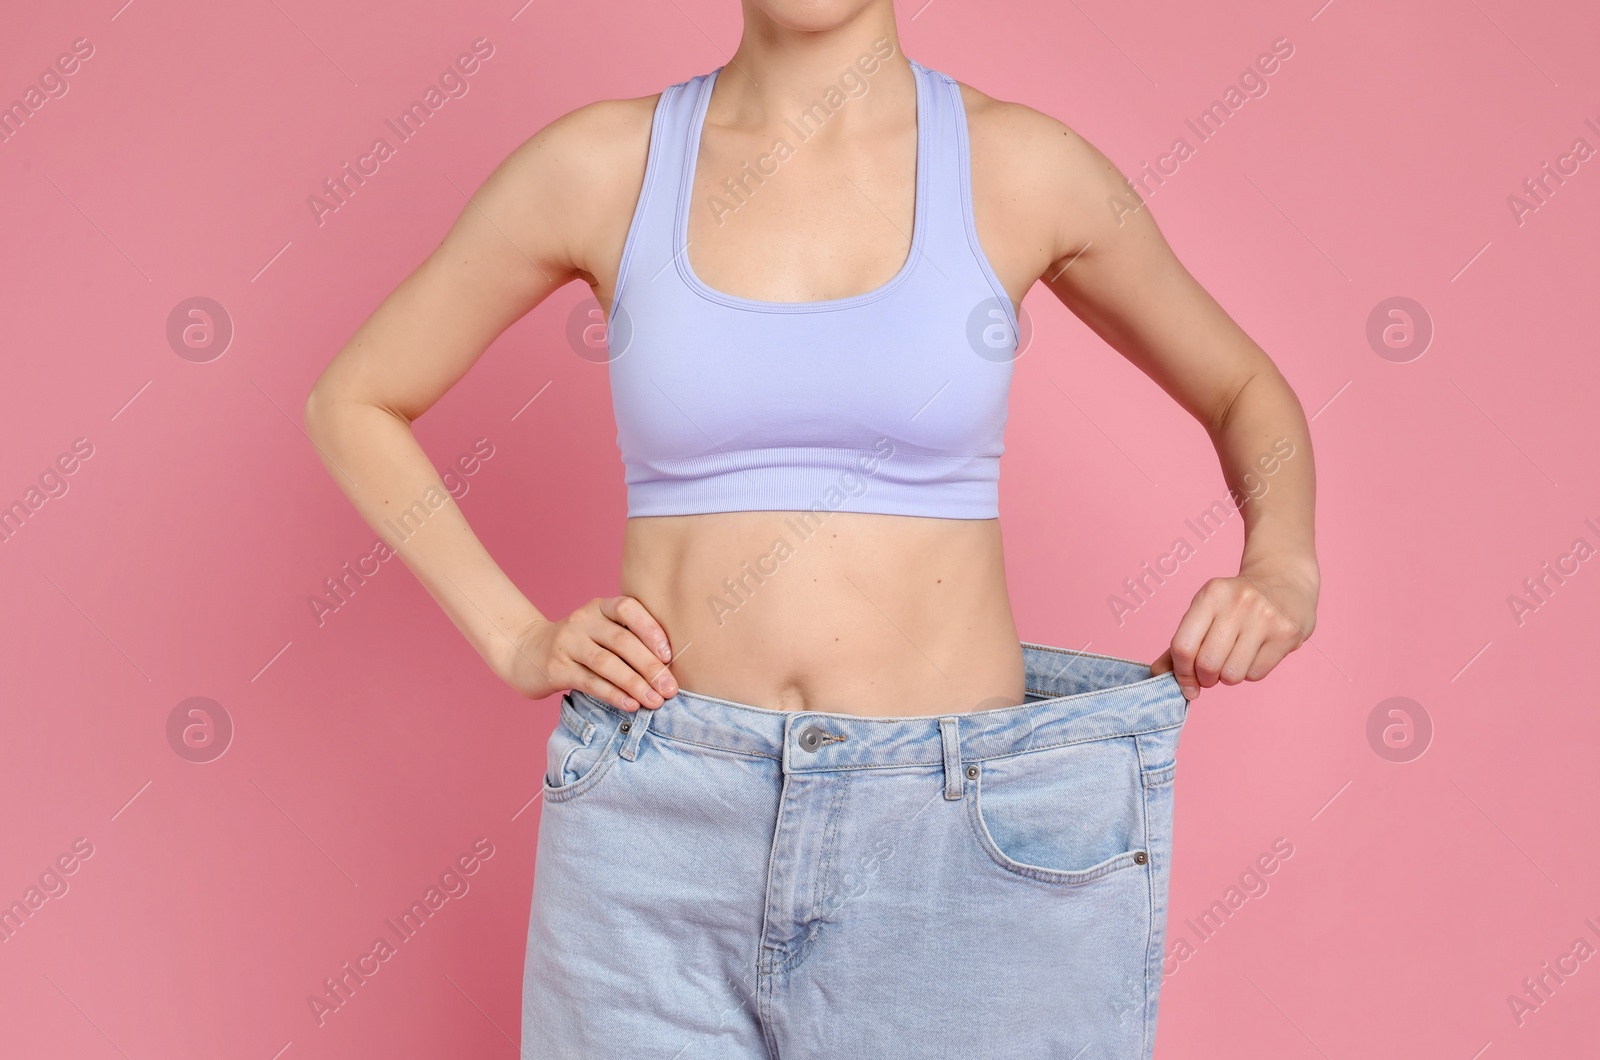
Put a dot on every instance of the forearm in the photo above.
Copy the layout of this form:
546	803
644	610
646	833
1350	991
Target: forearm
1264	444
374	457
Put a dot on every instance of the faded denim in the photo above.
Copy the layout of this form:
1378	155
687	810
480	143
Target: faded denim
715	880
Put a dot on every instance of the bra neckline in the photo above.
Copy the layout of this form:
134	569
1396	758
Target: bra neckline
919	212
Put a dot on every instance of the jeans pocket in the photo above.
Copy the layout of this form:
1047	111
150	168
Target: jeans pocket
580	750
1065	815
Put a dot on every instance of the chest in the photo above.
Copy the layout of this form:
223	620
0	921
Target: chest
793	213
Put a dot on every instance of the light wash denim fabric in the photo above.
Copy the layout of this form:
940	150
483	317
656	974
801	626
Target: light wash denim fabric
715	880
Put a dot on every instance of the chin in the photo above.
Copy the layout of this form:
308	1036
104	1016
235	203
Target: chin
811	16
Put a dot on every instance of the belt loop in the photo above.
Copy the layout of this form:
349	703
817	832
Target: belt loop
950	736
637	724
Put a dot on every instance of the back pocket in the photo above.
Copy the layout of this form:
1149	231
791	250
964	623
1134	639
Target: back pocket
1063	815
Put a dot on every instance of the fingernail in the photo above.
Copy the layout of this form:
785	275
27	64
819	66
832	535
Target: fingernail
1190	693
665	652
664	682
629	703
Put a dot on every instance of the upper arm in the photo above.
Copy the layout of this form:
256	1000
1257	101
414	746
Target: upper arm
1104	258
545	216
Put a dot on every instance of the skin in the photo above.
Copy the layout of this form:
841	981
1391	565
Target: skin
876	615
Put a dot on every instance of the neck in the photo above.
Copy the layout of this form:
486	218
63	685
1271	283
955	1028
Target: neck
779	69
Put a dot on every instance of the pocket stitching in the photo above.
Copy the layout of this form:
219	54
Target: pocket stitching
566	792
1068	877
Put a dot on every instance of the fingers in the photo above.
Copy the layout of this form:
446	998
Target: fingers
620	656
1232	632
1221	636
631	651
586	681
1272	653
576	659
1186	643
1163	664
626	611
1242	657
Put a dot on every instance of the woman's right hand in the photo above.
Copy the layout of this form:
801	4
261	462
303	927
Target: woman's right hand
610	648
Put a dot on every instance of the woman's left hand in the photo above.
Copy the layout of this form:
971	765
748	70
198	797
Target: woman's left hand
1240	628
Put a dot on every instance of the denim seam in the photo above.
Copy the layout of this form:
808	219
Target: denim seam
715	747
933	763
830	836
763	966
995	712
1150	896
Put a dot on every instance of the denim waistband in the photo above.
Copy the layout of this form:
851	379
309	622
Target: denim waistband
1072	697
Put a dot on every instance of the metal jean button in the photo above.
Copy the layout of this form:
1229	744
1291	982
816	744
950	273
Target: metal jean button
1140	857
810	738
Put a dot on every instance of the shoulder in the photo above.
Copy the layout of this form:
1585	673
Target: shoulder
1027	163
589	148
564	190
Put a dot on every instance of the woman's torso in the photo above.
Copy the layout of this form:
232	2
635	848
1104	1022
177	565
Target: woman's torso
856	611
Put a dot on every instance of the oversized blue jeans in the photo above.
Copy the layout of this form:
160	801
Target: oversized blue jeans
716	880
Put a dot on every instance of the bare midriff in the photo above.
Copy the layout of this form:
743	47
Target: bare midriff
874	615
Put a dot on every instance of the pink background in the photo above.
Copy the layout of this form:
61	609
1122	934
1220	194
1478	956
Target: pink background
372	751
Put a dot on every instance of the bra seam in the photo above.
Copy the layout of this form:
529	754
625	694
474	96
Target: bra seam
641	207
846	448
969	217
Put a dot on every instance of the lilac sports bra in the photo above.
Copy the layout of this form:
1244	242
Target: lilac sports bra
892	401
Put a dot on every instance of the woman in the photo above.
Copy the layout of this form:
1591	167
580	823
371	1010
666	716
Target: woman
809	795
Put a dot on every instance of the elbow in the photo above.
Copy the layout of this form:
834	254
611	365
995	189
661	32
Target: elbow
310	412
317	411
1217	421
